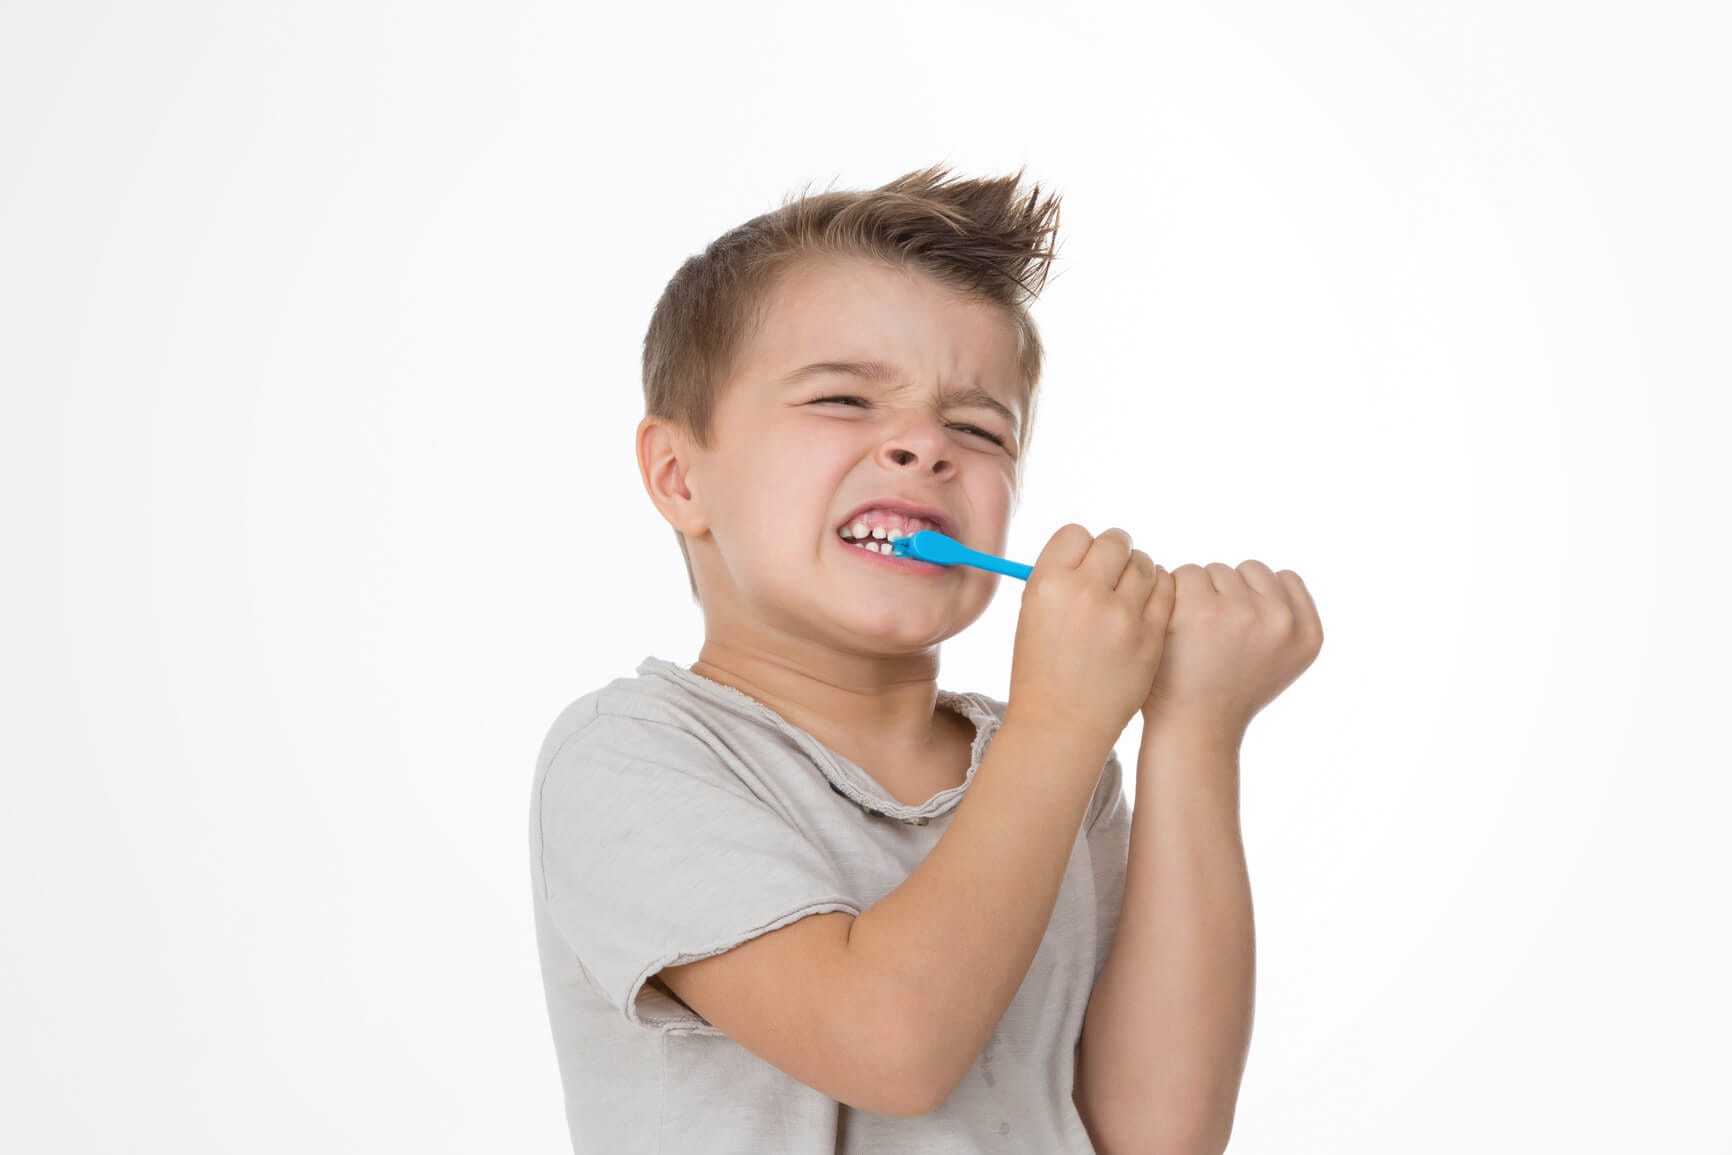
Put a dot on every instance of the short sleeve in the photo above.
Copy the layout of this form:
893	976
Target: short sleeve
1109	843
653	854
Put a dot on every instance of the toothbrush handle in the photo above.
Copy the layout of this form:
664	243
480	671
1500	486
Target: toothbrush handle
1001	565
941	549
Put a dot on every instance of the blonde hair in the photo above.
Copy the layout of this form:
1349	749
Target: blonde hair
984	238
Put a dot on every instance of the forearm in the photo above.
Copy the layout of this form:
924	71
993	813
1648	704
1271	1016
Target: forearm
954	941
1169	1022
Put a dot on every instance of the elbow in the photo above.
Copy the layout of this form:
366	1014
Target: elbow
914	1080
894	1038
930	1069
899	1089
917	1087
892	1064
910	1096
920	1096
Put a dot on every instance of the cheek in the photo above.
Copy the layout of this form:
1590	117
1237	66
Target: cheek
813	445
802	479
992	498
789	495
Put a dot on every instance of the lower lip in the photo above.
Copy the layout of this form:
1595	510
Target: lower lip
890	560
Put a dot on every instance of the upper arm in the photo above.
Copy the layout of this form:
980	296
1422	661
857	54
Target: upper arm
655	857
796	998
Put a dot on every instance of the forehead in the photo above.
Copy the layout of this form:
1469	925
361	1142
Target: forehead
846	309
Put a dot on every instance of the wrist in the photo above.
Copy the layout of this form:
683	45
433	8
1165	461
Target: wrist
1057	728
1184	768
1193	729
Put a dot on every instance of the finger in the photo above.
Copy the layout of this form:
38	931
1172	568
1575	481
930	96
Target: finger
1107	556
1068	545
1226	580
1261	579
1159	607
1300	598
1138	577
1191	584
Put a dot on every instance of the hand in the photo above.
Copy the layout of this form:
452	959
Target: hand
1089	634
1235	640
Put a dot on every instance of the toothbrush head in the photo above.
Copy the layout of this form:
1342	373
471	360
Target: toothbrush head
931	546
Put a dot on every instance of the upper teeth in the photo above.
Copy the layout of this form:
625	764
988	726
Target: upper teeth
884	526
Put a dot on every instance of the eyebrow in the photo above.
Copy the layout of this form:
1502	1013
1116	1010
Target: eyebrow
882	371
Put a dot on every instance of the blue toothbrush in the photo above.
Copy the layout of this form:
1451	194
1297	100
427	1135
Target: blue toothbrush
930	545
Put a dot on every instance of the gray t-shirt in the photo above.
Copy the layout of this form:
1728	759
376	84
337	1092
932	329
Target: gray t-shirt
673	817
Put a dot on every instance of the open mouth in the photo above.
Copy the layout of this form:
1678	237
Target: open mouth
880	551
874	527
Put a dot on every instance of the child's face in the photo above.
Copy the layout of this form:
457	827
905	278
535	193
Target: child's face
786	468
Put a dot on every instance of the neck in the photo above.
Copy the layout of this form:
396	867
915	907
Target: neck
844	701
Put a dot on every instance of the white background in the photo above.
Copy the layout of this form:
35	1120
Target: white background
322	327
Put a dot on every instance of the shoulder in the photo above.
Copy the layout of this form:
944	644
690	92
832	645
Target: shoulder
612	743
641	706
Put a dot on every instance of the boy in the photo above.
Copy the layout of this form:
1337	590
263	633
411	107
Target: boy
795	897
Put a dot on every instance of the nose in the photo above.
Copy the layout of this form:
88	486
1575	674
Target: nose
922	441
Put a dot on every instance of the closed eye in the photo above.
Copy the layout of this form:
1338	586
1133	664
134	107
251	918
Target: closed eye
992	437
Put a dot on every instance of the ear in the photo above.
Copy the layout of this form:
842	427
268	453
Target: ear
664	457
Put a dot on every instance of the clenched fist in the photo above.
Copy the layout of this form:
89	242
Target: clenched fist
1236	638
1089	634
